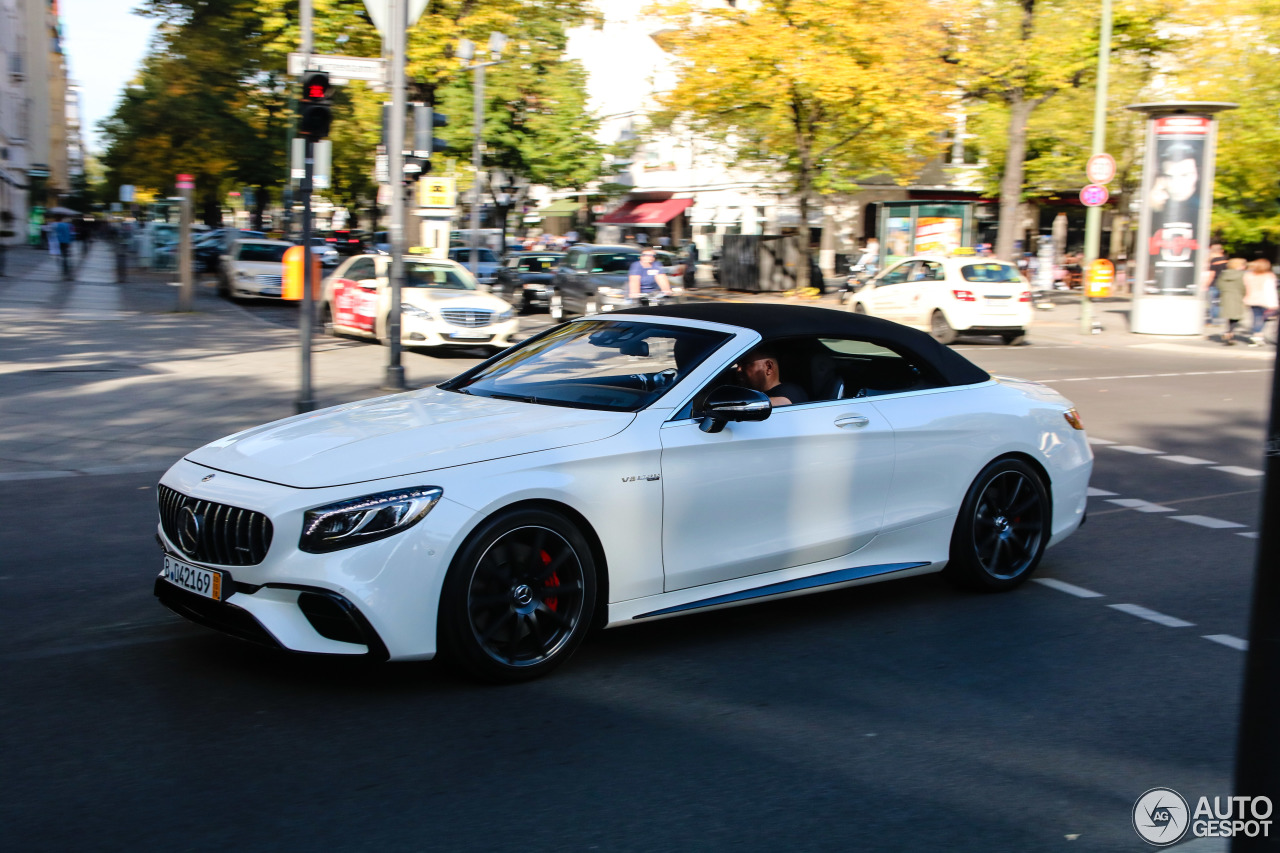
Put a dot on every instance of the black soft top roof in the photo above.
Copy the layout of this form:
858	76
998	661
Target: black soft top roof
775	322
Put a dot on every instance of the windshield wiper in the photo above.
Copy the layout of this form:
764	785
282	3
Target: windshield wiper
519	398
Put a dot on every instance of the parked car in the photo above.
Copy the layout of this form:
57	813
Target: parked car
253	268
593	278
210	249
948	297
486	262
441	305
329	257
346	242
525	279
613	471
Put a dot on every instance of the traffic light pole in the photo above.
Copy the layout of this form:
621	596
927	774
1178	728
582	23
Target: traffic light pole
398	16
306	322
1093	218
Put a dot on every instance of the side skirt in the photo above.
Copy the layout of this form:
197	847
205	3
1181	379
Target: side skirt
785	588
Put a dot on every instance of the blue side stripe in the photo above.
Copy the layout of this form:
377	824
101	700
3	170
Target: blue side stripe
825	579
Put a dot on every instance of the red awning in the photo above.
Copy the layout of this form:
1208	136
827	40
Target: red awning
647	212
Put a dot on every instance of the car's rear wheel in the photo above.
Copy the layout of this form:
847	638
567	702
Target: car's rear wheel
1011	338
326	320
941	329
518	598
1002	529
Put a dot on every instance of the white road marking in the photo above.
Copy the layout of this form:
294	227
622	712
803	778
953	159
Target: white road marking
1099	493
1228	641
1133	448
1186	460
1206	521
1150	375
1068	588
1243	472
1094	440
1140	505
36	475
1151	615
1250	535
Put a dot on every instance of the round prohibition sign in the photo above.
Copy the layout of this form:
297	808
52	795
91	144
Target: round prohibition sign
1094	195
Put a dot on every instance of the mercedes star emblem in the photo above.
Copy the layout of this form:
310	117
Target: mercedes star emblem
188	531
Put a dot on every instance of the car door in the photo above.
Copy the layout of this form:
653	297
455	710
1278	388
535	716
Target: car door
922	291
805	485
887	295
573	282
355	296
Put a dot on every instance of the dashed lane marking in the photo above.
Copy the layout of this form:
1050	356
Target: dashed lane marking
1206	521
1133	448
1140	505
1095	440
1243	472
1186	460
1148	375
1099	493
1068	588
1152	615
1252	534
1228	641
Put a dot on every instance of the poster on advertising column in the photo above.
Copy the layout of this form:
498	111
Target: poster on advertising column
1174	198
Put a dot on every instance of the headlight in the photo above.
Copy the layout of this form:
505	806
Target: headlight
414	311
509	314
367	519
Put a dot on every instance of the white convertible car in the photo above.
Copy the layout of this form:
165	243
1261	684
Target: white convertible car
614	470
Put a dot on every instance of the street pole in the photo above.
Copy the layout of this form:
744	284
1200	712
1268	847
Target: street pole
186	281
1093	219
306	323
476	162
398	24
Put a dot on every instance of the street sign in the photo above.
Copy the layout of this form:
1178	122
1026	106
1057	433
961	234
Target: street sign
1094	195
1100	169
379	12
186	182
340	68
1099	278
437	192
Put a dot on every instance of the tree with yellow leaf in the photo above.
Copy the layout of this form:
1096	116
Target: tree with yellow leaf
826	92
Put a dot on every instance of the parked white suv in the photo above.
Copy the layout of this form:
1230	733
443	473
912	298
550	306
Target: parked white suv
947	297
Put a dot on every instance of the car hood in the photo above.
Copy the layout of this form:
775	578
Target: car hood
403	434
430	297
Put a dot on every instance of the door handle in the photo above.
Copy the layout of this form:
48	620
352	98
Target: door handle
852	421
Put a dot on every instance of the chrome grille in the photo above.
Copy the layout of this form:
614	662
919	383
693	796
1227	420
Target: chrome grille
227	535
270	281
467	317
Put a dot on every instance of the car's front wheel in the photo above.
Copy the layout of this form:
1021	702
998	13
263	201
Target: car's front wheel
859	308
1002	529
518	598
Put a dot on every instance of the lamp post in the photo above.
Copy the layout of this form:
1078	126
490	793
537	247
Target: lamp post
466	52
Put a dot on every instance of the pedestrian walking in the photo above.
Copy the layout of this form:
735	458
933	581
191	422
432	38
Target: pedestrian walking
63	234
1217	265
1231	297
1260	295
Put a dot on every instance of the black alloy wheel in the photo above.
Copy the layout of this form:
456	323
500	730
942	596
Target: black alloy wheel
859	308
519	597
1002	529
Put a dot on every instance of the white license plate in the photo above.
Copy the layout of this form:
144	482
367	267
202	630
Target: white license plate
471	336
192	578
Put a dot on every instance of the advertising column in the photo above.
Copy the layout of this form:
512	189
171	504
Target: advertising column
1173	235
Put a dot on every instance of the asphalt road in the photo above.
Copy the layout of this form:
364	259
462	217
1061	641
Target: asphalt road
899	716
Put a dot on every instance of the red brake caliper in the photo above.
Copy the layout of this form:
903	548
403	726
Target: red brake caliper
552	581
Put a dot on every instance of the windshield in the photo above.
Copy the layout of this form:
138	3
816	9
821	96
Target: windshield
484	256
614	261
260	253
616	366
442	278
543	263
990	272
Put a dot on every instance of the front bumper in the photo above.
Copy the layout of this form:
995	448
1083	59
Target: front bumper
421	332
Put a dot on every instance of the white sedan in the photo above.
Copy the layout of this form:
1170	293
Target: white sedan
967	295
253	268
615	470
440	305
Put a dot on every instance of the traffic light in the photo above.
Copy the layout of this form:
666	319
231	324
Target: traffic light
314	113
425	120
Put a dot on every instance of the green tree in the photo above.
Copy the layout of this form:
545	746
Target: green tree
826	92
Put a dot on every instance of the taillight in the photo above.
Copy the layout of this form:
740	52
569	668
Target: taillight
331	239
963	295
1025	297
1073	418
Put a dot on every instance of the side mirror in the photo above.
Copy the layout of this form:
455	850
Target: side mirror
732	403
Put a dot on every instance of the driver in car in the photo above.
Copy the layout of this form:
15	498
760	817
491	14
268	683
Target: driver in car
759	370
